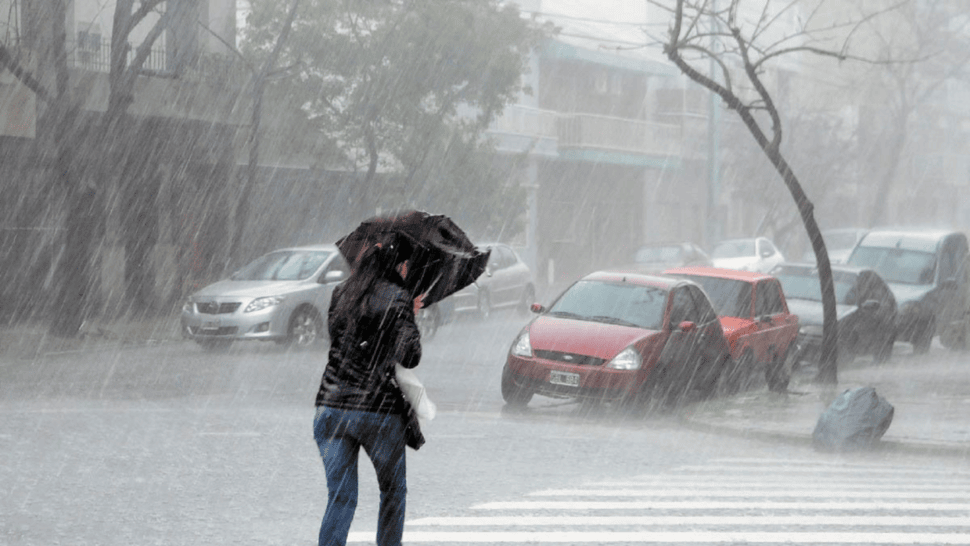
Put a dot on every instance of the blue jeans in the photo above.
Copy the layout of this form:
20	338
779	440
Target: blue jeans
340	434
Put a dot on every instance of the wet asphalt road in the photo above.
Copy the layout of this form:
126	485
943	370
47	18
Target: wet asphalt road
175	445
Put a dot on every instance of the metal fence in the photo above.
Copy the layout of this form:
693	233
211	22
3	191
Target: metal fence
93	52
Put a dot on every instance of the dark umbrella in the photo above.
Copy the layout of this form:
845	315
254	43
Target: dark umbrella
444	260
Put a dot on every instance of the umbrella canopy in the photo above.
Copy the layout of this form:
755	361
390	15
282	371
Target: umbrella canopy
444	260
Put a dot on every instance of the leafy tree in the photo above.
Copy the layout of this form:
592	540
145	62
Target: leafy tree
390	81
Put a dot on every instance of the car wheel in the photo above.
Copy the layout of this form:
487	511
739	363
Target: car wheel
528	298
428	320
514	394
710	386
214	345
955	338
484	305
924	337
736	373
885	351
779	371
306	328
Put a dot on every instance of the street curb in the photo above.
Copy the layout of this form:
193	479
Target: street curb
805	440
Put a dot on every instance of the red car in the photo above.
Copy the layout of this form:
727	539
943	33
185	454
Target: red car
755	318
619	337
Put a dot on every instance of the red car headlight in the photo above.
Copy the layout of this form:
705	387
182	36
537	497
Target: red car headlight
627	359
522	346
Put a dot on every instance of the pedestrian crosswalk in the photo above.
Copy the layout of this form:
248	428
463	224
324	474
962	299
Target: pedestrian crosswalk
727	501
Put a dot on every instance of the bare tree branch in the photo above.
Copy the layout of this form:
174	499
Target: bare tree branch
25	77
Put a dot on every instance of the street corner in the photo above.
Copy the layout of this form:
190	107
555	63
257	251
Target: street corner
786	416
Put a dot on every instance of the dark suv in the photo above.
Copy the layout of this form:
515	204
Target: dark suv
928	272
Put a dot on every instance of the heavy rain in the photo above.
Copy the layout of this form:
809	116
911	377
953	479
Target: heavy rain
698	271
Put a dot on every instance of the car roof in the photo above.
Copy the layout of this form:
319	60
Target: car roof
666	244
836	268
925	240
720	272
328	247
620	275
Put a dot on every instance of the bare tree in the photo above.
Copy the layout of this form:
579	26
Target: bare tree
83	162
259	79
744	45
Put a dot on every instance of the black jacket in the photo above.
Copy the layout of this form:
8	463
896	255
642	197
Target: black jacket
365	346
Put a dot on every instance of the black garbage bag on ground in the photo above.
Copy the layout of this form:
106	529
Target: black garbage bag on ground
855	420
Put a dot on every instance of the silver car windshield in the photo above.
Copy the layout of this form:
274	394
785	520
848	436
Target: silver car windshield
804	285
614	303
283	265
897	264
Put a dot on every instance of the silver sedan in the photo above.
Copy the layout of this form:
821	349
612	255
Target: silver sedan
282	296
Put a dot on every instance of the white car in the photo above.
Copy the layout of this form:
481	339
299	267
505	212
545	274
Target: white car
282	296
507	282
751	254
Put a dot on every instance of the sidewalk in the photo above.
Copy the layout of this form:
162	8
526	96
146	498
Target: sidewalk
25	342
930	394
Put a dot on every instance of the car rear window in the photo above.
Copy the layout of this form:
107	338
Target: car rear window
658	254
730	297
733	249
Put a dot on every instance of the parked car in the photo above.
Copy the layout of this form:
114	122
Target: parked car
864	305
752	254
839	244
507	282
620	337
929	274
282	296
654	258
756	322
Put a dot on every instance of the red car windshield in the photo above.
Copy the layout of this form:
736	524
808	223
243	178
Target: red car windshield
613	302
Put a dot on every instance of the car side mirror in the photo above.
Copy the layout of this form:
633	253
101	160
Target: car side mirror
687	326
766	253
334	276
870	306
537	308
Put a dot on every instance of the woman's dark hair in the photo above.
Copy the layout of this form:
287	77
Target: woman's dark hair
378	261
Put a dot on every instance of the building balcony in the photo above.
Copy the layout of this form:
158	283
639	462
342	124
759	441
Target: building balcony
525	129
584	136
610	134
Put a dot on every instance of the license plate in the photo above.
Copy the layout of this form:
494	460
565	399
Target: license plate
564	378
211	324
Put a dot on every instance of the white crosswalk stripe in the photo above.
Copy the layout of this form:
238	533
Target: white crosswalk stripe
728	501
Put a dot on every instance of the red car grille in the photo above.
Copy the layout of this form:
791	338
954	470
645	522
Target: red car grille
570	358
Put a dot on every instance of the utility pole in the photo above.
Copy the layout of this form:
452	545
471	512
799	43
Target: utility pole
713	224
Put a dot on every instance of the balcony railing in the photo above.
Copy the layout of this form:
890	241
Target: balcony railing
527	121
617	134
94	54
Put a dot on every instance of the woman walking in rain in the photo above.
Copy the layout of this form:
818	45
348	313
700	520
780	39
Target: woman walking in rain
372	328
